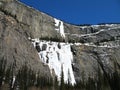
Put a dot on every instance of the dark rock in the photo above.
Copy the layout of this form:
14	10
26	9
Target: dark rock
38	47
44	47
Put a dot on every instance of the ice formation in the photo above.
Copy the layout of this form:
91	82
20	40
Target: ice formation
57	55
13	81
59	27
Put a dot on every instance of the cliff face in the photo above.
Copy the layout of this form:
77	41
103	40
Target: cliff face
95	49
14	44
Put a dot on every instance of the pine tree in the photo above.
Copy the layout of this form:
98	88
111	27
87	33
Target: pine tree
56	83
22	77
69	78
2	70
62	79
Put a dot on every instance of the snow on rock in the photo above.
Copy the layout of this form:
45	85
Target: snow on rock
13	81
57	55
59	27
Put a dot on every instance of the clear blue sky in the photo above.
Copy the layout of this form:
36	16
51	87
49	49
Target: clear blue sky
80	11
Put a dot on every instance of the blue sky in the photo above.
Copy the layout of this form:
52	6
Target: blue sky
80	11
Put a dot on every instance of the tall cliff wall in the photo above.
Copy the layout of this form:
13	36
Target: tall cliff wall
95	48
14	44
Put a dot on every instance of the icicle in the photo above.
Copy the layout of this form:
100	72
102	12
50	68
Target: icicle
13	81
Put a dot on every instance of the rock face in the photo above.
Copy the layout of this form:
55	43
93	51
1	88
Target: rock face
95	48
89	60
37	23
15	47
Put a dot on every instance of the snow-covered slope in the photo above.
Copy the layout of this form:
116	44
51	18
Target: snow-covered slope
57	56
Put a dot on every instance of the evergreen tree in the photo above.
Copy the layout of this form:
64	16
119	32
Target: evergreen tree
22	77
69	78
62	79
2	70
115	79
56	83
